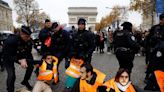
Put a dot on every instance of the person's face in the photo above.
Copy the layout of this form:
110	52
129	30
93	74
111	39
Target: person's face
81	26
83	73
49	58
48	24
124	78
162	21
57	28
25	37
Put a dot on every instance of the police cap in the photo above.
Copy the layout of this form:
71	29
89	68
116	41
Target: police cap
26	30
81	21
126	24
161	16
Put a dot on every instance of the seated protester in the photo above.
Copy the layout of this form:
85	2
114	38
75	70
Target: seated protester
90	79
47	71
121	83
73	72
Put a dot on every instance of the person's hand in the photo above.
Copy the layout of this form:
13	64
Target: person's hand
23	63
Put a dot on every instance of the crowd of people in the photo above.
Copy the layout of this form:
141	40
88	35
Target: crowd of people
76	48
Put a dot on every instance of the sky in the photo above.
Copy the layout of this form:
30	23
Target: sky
57	9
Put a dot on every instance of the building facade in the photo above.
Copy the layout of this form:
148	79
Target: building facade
6	22
89	13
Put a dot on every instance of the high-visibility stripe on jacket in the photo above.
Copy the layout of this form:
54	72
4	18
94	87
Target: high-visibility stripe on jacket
45	74
160	79
74	69
111	84
85	87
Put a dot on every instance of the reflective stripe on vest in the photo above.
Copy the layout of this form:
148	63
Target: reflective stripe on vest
160	79
48	74
85	87
111	84
74	69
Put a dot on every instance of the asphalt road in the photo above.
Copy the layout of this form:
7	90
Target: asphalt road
106	63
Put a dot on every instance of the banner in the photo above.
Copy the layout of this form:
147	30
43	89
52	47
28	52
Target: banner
160	6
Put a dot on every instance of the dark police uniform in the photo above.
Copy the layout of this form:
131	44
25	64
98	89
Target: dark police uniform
83	42
15	49
43	35
156	35
156	63
125	48
60	44
155	41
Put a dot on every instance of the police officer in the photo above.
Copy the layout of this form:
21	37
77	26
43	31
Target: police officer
155	35
125	46
155	41
60	42
83	41
17	48
43	35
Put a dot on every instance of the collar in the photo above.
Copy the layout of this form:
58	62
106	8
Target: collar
121	87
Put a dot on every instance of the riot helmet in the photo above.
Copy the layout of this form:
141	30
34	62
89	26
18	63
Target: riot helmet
81	21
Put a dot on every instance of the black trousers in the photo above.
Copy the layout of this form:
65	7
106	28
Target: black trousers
9	65
125	59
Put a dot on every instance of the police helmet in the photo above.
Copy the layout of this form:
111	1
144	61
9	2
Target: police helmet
161	16
26	30
126	24
81	21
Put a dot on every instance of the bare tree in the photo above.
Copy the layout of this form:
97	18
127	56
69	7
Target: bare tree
29	13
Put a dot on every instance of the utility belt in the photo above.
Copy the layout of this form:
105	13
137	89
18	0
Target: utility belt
123	49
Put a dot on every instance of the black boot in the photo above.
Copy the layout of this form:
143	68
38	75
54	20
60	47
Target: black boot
28	86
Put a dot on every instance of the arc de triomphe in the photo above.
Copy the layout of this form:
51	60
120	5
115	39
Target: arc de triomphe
89	13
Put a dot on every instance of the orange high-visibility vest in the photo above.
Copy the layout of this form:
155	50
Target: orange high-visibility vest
48	74
74	69
111	84
160	79
85	87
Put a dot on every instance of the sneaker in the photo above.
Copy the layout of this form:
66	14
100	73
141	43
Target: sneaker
28	86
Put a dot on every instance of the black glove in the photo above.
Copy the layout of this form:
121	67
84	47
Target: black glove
102	89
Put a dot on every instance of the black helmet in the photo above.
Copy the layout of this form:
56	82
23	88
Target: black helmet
81	21
161	16
54	25
126	24
26	30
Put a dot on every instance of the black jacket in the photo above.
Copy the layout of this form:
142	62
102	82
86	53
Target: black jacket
60	44
43	35
15	48
83	42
